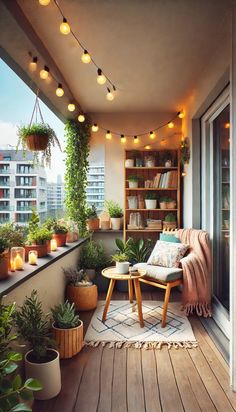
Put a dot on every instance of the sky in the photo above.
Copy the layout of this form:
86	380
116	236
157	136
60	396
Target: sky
16	106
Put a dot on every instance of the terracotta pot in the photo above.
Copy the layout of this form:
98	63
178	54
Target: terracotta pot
93	224
41	249
49	246
4	264
171	205
163	205
116	223
169	225
36	142
60	238
47	373
69	341
71	237
84	297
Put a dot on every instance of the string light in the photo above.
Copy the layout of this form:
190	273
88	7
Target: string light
136	139
33	64
71	107
108	135
147	147
122	138
95	127
81	118
183	173
152	135
170	125
86	58
227	125
59	90
101	79
110	95
181	114
44	73
44	2
64	27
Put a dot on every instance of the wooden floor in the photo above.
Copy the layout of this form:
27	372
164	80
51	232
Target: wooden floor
133	380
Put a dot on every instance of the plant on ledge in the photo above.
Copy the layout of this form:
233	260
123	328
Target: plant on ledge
4	258
38	236
115	213
77	152
59	230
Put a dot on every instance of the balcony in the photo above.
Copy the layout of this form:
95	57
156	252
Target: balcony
5	184
6	208
24	208
5	171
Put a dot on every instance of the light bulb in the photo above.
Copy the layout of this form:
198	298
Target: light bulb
227	125
110	96
136	139
95	127
33	64
183	173
122	138
71	107
59	91
44	2
64	27
85	57
181	114
152	135
101	79
44	73
108	135
81	118
147	147
170	125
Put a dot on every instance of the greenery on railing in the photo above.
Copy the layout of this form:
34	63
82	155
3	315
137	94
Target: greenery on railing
77	152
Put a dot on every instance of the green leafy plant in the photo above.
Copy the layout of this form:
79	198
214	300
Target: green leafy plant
151	195
3	245
33	326
170	217
93	256
14	234
166	199
64	316
134	178
77	152
55	226
37	235
40	129
113	209
92	212
120	257
77	277
137	250
184	151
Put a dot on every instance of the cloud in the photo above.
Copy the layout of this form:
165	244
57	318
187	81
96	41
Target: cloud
8	134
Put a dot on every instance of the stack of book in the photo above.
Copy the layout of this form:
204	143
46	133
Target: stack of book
154	224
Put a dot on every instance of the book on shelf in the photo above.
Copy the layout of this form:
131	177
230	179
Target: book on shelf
167	180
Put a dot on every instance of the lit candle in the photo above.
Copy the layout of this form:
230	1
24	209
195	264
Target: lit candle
12	265
53	245
33	257
18	262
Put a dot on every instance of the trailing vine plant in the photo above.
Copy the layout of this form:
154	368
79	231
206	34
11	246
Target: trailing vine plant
77	152
184	151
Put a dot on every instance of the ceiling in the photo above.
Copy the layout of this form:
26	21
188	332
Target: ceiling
154	51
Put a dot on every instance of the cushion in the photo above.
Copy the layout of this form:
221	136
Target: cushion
160	272
167	254
167	237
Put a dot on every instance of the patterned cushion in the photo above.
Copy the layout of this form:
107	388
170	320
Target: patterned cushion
167	254
167	237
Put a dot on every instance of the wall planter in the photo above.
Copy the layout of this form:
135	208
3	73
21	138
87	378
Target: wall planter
116	223
93	224
48	373
41	249
69	341
60	238
150	203
4	264
84	297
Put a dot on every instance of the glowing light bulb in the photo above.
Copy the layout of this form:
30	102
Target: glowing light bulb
147	147
59	91
85	57
152	135
33	64
122	138
95	127
81	118
101	79
136	140
44	73
44	2
183	173
181	114
227	125
64	27
108	135
110	96
170	125
71	107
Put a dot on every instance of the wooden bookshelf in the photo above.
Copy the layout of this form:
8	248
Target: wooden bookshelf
148	173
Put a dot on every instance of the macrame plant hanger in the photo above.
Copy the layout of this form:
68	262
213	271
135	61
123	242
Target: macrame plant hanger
36	110
36	141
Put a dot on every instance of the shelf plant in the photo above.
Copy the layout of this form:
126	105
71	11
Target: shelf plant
80	289
133	181
170	221
167	203
151	200
115	213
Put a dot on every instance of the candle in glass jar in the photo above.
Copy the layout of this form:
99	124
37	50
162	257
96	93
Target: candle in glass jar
53	245
18	262
33	257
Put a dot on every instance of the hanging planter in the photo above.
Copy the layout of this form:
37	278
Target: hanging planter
38	137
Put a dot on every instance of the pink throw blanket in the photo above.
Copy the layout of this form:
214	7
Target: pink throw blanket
196	297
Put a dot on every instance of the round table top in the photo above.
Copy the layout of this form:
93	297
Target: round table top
111	273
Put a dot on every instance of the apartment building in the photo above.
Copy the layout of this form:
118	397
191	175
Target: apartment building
95	187
22	187
55	197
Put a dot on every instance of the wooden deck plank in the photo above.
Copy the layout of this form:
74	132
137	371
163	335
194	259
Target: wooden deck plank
106	380
135	395
151	390
119	388
169	393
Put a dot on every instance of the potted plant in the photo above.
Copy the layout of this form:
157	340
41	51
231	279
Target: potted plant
167	203
170	221
166	158
92	218
122	264
72	234
42	360
4	258
67	330
151	200
115	213
59	231
133	181
80	289
38	238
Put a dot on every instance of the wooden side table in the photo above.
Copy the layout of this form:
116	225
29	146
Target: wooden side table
111	274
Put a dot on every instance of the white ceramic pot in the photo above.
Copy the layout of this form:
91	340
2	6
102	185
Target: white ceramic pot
168	163
116	223
151	203
48	373
122	268
133	185
129	163
132	202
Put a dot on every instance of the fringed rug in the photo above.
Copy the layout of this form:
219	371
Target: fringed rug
122	329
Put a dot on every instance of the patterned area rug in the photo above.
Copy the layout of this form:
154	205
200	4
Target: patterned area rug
122	329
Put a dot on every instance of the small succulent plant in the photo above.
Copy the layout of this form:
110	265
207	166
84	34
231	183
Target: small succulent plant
77	277
64	316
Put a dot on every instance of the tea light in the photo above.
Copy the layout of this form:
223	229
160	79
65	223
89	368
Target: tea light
53	245
18	262
17	258
33	255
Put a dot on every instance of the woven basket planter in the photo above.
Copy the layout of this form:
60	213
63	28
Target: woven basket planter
84	297
169	225
69	341
37	143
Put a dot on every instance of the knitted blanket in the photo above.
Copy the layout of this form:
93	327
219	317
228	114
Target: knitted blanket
196	296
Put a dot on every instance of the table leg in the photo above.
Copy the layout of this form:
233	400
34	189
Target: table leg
139	301
130	284
108	298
